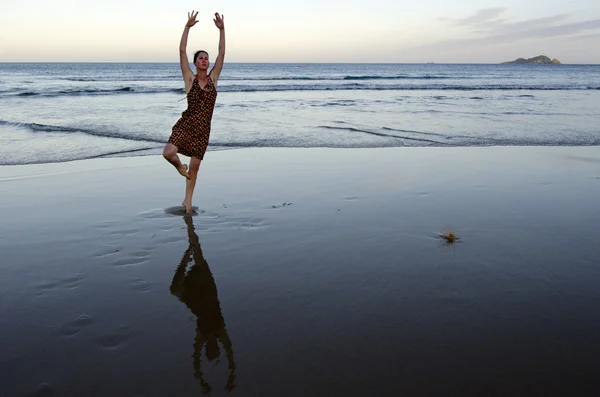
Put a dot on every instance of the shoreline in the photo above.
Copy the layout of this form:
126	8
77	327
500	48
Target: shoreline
217	149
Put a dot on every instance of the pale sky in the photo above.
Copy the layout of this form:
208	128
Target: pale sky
466	31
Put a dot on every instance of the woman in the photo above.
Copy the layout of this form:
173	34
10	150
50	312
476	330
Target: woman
191	133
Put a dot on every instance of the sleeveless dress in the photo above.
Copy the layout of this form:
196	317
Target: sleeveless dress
191	133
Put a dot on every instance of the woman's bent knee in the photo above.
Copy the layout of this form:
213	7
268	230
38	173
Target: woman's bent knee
169	150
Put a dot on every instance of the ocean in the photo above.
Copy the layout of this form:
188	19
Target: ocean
57	112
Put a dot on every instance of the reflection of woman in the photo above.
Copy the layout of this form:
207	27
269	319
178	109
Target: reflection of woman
197	289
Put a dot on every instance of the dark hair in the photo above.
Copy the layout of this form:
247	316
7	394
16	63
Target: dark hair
198	53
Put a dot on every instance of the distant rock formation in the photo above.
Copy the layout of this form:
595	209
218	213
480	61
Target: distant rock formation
540	60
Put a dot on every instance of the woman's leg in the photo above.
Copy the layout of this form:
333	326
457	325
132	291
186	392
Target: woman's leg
170	154
190	184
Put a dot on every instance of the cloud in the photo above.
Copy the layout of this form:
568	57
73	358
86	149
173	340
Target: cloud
485	15
492	28
497	35
543	32
528	25
590	36
489	21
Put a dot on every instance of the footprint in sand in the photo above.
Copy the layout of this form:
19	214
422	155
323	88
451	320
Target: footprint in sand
68	282
130	260
114	339
105	225
44	389
139	285
107	252
73	327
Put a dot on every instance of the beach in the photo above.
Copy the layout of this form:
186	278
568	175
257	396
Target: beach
304	272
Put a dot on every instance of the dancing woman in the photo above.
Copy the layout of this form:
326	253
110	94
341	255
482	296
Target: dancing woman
191	133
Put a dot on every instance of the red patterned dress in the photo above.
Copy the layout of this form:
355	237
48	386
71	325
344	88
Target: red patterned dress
192	131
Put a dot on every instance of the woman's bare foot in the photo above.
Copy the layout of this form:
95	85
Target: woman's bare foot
188	207
183	170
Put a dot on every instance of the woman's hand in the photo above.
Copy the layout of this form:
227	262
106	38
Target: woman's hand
192	19
219	21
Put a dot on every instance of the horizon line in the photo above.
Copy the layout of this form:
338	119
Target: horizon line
300	63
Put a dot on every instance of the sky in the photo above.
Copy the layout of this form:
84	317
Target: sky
399	31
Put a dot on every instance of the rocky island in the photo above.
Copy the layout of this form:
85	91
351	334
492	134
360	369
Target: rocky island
542	60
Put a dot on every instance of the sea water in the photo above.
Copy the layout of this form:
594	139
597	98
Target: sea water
56	112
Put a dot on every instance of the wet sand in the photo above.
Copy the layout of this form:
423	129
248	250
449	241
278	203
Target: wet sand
305	272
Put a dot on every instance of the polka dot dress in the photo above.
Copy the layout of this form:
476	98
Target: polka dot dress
192	131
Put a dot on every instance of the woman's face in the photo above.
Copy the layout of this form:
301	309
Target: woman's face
202	61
